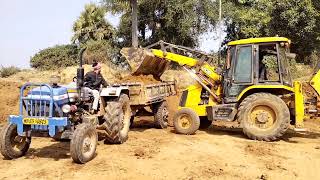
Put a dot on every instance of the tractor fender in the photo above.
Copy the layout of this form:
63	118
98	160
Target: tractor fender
114	91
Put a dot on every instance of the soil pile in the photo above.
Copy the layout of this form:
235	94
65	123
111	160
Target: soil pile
9	99
109	72
141	79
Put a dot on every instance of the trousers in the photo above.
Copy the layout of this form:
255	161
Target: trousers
96	96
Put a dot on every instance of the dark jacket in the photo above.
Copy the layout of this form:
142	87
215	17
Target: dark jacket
93	80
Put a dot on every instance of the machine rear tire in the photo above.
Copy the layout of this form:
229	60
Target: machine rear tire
263	117
83	143
161	115
186	121
117	120
11	144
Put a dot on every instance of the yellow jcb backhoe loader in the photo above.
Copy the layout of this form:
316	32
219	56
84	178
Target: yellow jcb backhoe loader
254	87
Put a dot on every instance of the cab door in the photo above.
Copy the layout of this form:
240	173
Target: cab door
240	75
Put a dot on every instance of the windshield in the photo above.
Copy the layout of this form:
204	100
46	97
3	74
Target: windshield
285	66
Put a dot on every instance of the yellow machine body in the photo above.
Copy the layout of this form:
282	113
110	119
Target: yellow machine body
209	79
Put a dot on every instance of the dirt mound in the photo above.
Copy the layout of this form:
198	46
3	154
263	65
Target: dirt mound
9	99
109	72
141	79
260	149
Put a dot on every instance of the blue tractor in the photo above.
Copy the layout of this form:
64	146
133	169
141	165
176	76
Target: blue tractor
65	113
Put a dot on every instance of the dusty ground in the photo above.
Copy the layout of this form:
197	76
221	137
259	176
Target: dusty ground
151	153
160	154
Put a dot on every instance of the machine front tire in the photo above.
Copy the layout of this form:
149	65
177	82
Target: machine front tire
117	120
264	117
186	121
83	143
11	144
161	115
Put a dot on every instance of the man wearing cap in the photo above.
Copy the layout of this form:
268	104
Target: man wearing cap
93	81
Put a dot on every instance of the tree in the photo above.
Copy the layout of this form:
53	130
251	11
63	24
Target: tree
55	57
92	25
298	20
176	21
93	31
118	6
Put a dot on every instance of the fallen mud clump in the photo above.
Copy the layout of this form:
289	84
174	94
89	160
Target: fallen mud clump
259	149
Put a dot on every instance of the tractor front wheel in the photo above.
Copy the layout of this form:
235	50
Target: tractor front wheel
263	117
83	143
11	144
186	121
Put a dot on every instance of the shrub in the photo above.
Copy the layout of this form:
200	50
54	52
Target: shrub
55	57
67	55
8	71
101	51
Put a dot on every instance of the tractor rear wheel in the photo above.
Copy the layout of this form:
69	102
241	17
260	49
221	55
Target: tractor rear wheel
117	120
264	117
11	144
186	121
161	115
83	143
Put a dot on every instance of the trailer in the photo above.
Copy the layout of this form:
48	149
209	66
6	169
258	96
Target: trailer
145	99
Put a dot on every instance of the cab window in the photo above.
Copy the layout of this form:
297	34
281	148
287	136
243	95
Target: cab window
268	63
243	65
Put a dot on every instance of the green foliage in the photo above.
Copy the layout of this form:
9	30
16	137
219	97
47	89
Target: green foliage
100	51
176	21
92	25
96	34
55	57
298	20
8	71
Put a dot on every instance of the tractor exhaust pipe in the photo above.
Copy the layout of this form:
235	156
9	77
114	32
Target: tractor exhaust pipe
80	70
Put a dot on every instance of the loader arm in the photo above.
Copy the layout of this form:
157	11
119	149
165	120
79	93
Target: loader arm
145	61
181	60
155	59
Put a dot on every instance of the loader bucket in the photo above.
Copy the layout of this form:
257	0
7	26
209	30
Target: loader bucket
143	62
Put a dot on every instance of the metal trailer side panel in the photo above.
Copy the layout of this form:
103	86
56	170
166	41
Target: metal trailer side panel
148	94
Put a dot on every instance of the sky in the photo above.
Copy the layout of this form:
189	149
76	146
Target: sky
27	26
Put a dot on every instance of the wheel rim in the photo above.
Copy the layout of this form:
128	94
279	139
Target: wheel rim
184	121
17	143
89	144
262	117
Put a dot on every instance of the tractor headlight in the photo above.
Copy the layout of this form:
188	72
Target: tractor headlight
66	108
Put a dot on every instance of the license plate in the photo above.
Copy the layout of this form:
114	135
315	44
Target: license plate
35	121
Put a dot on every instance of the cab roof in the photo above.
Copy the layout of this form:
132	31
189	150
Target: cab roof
259	40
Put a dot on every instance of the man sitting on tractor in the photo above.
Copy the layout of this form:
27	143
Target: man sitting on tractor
92	82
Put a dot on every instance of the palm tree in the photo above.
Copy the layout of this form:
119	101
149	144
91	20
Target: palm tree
91	24
134	16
